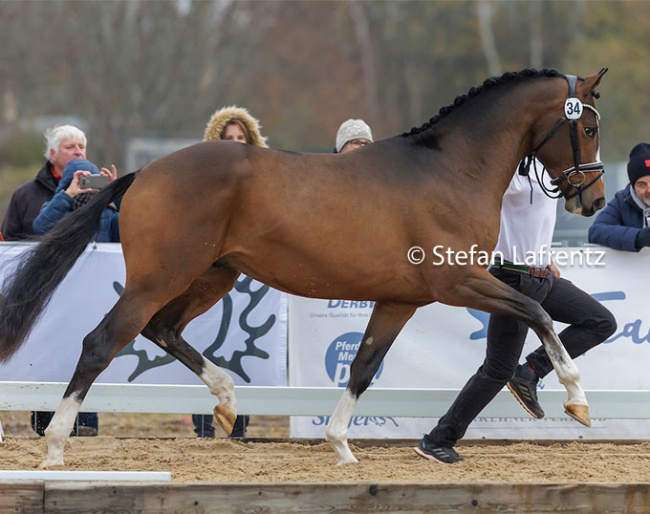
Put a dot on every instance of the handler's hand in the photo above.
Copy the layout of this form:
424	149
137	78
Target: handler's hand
554	269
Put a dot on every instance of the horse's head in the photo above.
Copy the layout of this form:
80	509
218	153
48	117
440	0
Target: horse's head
568	146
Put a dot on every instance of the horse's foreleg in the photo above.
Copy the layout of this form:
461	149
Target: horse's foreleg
166	326
568	374
385	324
484	292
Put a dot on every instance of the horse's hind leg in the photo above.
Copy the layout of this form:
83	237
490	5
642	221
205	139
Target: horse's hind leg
165	330
385	324
484	292
121	325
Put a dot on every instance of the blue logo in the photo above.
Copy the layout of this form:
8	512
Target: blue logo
339	356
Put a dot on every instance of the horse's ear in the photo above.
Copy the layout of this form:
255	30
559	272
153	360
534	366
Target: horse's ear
600	76
591	81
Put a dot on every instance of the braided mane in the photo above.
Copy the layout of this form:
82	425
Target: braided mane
489	83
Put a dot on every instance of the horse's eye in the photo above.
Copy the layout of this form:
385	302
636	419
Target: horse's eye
590	131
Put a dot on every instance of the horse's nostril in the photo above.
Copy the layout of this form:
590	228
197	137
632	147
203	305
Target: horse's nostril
599	203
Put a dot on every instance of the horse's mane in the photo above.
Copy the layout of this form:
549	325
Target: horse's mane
490	83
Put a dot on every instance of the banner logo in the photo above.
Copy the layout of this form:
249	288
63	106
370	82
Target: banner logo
213	352
339	356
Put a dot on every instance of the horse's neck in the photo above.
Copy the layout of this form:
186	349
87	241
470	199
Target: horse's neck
479	165
486	153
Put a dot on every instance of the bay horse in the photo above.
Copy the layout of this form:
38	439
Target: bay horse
323	226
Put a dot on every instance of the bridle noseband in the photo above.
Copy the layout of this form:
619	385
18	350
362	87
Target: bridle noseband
575	176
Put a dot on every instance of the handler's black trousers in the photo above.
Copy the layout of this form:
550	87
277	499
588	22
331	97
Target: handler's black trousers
590	323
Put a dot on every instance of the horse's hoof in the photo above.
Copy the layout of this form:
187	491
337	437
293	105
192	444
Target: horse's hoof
580	413
225	417
346	461
48	465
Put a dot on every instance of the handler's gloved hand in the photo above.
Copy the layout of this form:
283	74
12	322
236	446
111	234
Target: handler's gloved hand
643	238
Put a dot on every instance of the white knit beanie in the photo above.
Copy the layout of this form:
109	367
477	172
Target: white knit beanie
352	129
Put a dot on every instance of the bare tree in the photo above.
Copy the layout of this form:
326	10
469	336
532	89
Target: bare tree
484	10
362	30
536	44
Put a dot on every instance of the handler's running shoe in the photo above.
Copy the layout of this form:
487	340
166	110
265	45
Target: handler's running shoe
428	451
524	386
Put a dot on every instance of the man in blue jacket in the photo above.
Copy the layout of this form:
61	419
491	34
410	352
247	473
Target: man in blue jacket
624	224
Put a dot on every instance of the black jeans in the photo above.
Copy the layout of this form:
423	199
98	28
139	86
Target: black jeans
590	323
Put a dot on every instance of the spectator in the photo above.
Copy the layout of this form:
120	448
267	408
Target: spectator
69	196
527	223
352	134
624	223
234	124
63	143
231	124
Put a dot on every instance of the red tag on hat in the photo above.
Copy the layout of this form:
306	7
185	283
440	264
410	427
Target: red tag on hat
647	163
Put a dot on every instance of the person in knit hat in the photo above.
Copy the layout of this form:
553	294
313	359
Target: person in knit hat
624	224
352	134
229	124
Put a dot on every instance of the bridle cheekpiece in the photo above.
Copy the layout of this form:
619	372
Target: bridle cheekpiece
575	176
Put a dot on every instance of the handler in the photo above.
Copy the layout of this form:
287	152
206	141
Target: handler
527	223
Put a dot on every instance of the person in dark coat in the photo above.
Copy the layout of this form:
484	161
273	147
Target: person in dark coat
624	224
63	143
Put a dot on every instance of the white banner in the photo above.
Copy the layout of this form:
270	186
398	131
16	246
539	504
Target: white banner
442	346
245	333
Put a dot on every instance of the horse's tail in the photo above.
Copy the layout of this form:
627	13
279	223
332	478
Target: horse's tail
27	289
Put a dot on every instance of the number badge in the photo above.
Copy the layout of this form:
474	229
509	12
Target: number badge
572	108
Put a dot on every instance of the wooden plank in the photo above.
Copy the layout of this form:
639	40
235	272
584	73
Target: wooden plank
305	401
21	496
61	497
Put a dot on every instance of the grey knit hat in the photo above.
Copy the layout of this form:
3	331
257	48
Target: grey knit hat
352	129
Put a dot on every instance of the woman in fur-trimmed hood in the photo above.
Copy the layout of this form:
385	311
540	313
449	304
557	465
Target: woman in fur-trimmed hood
216	127
235	124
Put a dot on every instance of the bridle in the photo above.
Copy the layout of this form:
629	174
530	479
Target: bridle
575	176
